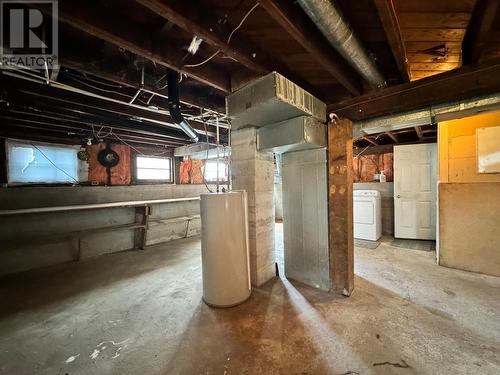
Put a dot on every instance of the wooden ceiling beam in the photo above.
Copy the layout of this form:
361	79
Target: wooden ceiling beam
384	149
480	25
389	19
93	21
371	141
420	135
96	67
192	18
393	137
92	105
304	31
197	21
464	82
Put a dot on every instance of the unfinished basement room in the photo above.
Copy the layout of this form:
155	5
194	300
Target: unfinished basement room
218	187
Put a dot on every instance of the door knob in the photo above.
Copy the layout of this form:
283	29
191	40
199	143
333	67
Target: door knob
398	196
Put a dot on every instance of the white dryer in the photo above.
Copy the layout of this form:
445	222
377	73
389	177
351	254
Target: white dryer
367	214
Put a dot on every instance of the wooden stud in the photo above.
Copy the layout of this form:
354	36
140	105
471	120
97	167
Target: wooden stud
142	218
340	209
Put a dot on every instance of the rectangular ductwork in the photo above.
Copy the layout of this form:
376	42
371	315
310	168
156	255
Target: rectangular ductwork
271	99
299	133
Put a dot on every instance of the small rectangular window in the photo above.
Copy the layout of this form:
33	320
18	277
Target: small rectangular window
211	171
40	163
153	168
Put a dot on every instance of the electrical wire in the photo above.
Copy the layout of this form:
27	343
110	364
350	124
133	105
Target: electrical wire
242	21
51	162
107	135
228	39
117	86
135	149
108	91
204	61
98	88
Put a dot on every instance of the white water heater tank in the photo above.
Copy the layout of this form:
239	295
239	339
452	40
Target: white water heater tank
224	248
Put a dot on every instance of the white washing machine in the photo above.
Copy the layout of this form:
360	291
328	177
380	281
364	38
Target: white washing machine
367	214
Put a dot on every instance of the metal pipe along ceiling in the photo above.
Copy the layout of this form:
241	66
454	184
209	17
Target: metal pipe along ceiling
337	31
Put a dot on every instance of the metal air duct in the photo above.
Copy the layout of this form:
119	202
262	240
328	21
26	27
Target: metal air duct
428	115
336	29
174	105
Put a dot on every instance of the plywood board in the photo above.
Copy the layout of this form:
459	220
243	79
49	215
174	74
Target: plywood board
488	149
468	227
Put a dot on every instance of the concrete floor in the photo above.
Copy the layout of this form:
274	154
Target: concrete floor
141	313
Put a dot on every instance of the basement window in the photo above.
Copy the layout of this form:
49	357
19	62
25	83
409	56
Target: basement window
211	171
40	163
149	168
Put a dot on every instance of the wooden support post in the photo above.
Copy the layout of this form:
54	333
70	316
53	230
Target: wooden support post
142	217
340	225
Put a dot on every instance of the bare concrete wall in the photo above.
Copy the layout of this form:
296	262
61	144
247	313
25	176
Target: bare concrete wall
37	240
386	190
29	197
469	226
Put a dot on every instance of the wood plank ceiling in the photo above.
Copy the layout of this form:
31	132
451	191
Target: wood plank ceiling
433	32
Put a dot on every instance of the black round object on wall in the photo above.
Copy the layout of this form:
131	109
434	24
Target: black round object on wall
108	158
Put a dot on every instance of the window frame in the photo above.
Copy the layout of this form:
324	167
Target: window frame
12	141
224	161
138	181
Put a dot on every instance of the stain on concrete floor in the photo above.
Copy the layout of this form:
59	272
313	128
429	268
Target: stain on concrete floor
141	313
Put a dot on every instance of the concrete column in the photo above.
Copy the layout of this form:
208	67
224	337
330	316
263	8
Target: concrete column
253	171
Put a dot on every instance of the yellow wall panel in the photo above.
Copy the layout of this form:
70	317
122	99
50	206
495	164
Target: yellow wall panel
469	204
457	149
462	147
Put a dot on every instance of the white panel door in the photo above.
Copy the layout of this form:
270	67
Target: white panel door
415	185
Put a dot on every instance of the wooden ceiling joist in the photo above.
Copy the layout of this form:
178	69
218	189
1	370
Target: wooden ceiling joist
419	132
384	149
464	82
389	19
195	20
303	30
95	67
392	136
371	141
91	20
56	96
191	18
480	26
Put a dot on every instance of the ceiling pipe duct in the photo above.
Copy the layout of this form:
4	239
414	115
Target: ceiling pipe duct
174	105
428	115
332	24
